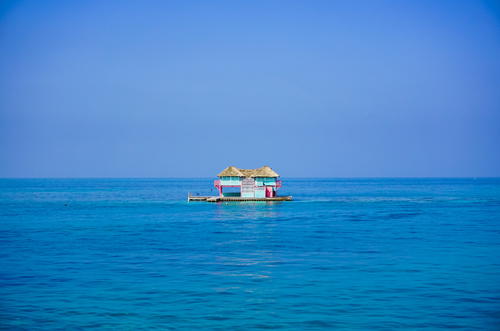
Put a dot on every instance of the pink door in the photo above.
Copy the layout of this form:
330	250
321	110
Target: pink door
269	191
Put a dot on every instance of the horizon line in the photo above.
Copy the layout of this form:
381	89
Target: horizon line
288	177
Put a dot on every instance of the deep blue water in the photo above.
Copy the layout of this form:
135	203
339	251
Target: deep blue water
347	253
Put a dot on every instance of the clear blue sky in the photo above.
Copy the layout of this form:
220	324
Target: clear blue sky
311	88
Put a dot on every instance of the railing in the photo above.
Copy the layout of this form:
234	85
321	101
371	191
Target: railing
278	183
229	183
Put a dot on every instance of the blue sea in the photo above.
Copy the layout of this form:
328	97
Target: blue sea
345	254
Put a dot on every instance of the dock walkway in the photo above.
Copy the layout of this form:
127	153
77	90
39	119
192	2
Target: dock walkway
220	199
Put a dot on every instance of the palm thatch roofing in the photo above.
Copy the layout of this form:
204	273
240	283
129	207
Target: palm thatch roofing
231	172
264	171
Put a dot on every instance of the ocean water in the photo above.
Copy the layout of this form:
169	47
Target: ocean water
346	254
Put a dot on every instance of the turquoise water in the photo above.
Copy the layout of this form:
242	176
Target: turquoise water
347	253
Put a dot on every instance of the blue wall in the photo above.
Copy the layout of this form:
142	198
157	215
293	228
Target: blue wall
261	181
260	193
230	181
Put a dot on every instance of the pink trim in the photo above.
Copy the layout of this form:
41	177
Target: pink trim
218	186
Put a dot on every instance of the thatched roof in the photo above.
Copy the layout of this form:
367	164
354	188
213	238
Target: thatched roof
247	172
231	171
264	171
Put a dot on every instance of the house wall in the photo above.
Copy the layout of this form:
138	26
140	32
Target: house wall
261	181
248	187
230	181
260	192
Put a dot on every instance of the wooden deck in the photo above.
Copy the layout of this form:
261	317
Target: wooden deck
220	199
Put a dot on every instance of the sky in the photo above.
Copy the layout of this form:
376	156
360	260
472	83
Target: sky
311	88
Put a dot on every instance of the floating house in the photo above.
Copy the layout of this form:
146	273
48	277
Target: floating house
258	184
262	182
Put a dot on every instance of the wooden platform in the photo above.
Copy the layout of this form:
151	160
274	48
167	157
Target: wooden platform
220	199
